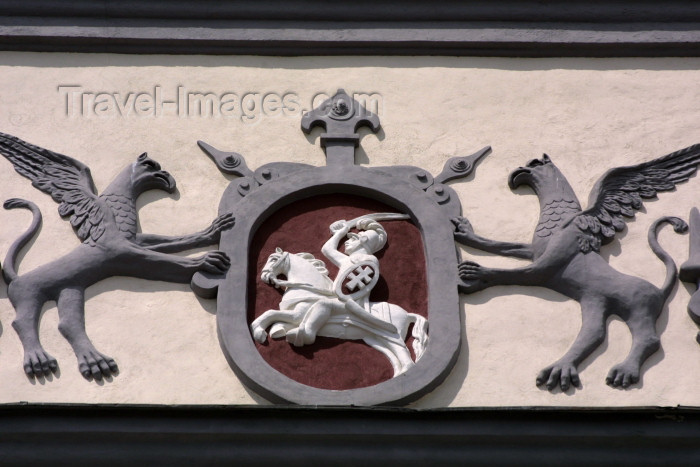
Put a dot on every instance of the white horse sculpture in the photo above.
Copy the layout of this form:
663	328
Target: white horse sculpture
384	328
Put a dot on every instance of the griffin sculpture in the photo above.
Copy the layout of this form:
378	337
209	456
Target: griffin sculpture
565	257
111	245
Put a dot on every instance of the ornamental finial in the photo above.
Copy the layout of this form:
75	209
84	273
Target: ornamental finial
341	116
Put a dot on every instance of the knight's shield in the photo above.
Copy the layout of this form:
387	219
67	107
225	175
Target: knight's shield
356	281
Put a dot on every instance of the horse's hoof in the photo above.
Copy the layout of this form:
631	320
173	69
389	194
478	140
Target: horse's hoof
277	332
260	335
295	337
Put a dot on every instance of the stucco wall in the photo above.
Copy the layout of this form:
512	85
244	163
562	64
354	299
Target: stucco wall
589	115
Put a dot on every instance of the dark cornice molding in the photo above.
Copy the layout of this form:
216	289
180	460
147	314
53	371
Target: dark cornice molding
206	435
301	27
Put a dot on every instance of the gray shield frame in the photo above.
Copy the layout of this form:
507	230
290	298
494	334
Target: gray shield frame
432	219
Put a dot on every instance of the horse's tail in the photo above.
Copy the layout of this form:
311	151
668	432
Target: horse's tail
679	226
9	271
419	333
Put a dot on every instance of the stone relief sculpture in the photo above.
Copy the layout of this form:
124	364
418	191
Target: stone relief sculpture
313	304
564	254
324	305
690	270
111	246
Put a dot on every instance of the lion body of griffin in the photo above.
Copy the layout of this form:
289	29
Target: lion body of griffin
565	258
111	246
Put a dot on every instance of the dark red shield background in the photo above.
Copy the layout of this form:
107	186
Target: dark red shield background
303	227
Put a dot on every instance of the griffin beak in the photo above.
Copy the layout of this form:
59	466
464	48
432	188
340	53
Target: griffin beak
168	181
518	177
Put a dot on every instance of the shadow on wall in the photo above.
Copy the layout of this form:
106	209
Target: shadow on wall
60	60
448	390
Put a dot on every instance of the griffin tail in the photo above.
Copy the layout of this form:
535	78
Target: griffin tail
679	226
9	271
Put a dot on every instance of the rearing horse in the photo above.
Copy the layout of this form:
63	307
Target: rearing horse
384	328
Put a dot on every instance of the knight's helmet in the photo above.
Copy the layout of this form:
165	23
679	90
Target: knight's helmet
374	234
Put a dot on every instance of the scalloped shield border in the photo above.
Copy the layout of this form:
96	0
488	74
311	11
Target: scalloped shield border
395	186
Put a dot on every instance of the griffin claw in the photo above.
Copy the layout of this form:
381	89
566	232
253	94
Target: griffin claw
563	375
471	277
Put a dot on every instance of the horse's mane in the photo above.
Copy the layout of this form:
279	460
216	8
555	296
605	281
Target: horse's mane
317	263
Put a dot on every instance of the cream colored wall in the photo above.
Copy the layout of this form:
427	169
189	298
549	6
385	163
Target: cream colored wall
587	114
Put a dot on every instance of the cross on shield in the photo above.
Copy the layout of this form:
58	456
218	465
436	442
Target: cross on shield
356	282
359	278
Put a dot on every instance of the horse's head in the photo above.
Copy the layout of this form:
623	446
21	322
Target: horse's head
277	263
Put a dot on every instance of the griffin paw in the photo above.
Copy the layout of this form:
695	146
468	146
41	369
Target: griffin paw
462	225
94	365
622	376
559	374
221	223
215	262
472	277
38	363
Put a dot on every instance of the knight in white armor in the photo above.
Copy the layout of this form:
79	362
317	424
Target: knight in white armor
358	272
314	305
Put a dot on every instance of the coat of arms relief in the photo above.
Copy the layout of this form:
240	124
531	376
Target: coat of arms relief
313	304
339	284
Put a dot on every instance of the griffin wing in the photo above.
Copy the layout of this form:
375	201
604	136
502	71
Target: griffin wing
67	180
621	191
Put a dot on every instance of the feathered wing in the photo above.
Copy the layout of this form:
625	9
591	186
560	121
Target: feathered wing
67	180
621	191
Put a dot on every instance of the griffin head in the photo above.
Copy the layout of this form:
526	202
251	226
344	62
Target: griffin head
534	173
146	174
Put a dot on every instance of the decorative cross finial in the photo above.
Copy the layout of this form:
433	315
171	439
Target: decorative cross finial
341	116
